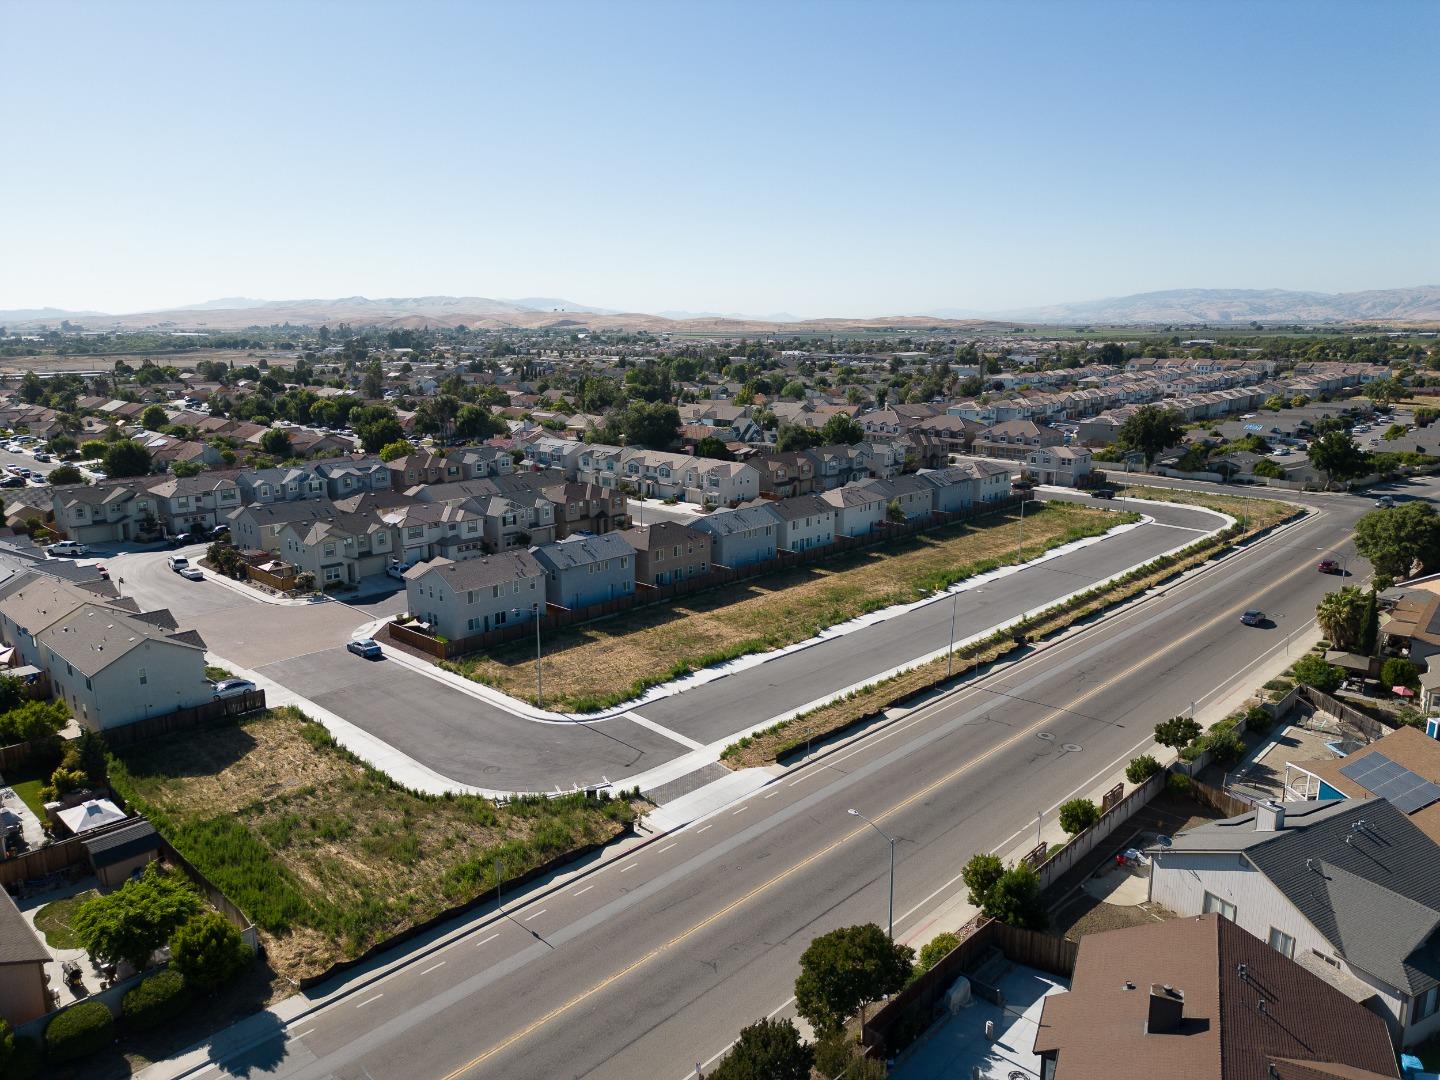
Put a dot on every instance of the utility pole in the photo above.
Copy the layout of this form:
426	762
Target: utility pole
950	655
539	695
890	917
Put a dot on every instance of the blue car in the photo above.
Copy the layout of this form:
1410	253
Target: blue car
369	648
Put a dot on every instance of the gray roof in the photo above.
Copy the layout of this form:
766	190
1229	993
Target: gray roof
92	637
479	573
18	943
802	506
581	550
732	522
122	842
1357	869
850	495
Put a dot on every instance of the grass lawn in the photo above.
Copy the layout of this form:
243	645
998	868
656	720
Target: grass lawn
614	660
53	920
326	855
29	792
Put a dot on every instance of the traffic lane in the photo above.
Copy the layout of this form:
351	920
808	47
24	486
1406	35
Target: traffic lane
708	712
466	739
992	786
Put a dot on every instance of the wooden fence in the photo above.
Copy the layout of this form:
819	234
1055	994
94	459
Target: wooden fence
1320	701
719	577
52	858
1084	843
905	1017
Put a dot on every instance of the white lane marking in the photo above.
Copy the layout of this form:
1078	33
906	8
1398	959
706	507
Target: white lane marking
772	794
536	915
487	941
664	849
370	1001
626	869
433	967
741	810
301	1035
660	729
582	892
704	827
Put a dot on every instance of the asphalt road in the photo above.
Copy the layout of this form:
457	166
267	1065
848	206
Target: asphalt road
651	963
474	742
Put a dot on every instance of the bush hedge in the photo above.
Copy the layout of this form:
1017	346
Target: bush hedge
1141	769
78	1032
158	998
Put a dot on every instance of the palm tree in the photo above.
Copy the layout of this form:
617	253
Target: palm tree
1341	616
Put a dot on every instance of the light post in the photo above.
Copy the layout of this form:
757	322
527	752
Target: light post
1020	547
535	610
890	915
950	655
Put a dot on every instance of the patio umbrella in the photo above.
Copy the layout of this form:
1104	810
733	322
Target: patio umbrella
1402	691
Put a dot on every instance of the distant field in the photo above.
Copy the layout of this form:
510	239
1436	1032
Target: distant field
326	855
611	661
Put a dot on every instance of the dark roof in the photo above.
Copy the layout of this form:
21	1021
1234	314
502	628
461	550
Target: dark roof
121	843
802	506
18	943
1306	1027
1359	870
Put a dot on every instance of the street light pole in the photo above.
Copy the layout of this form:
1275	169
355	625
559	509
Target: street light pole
539	696
1020	547
950	655
890	911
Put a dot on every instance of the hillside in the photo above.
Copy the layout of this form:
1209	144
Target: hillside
1420	304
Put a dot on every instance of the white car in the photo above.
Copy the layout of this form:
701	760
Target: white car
178	563
193	573
397	570
228	688
65	548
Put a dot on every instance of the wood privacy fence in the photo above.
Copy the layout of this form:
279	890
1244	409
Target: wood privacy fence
1320	701
905	1017
557	617
151	727
52	858
1058	864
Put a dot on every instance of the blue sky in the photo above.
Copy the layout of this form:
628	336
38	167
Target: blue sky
816	158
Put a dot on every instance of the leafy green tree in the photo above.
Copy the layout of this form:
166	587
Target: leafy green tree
91	449
841	429
379	432
1014	899
1268	469
276	443
1397	671
126	458
792	437
844	969
766	1050
1176	732
980	875
1338	457
475	422
793	390
1312	670
1077	815
935	950
61	444
1141	769
1371	635
643	423
1395	540
153	418
712	447
64	475
208	950
137	918
1150	430
32	720
186	468
397	449
1342	616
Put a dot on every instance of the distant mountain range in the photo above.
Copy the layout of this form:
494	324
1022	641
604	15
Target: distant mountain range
1420	304
1176	306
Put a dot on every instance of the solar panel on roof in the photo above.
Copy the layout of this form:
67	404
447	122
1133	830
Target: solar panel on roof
1417	798
1407	791
1361	769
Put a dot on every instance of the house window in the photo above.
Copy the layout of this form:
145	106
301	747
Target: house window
143	677
332	573
1224	907
1425	1004
1280	941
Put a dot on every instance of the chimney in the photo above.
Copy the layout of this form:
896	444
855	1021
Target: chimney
1269	816
1166	1007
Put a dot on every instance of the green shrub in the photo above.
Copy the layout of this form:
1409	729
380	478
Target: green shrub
934	950
1397	671
1176	732
22	1057
1313	671
1259	719
1224	747
158	998
78	1032
1077	815
1141	769
1179	783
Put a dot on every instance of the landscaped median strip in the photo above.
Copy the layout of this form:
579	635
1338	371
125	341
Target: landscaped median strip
861	703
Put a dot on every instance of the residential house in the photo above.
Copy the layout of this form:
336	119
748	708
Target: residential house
282	484
344	477
1014	440
883	458
724	483
992	477
858	510
461	599
910	494
1205	1000
427	530
836	466
743	536
667	552
105	513
185	503
24	995
548	452
583	570
787	474
585	507
1063	466
1346	887
804	522
952	490
338	548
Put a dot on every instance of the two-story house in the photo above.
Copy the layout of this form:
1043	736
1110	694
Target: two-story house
1013	440
460	599
582	507
787	474
1063	466
583	570
340	548
741	537
804	522
859	511
667	552
910	494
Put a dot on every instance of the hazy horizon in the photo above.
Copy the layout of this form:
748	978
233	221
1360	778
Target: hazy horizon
834	159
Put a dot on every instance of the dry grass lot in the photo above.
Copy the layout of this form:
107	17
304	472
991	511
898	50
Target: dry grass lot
596	666
327	856
1256	513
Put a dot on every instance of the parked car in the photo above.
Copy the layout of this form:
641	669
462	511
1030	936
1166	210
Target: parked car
1327	566
1103	493
103	572
185	539
177	563
65	547
1253	617
221	530
41	455
228	688
397	569
1385	502
193	573
369	648
12	481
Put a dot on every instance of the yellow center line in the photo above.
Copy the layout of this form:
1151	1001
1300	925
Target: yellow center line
683	936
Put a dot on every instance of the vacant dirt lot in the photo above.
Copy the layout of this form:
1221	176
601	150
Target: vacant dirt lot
327	856
614	660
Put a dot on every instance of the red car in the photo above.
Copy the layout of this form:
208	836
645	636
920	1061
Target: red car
1327	566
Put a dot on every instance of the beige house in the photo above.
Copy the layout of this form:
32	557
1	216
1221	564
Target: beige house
23	993
461	599
667	552
1059	465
